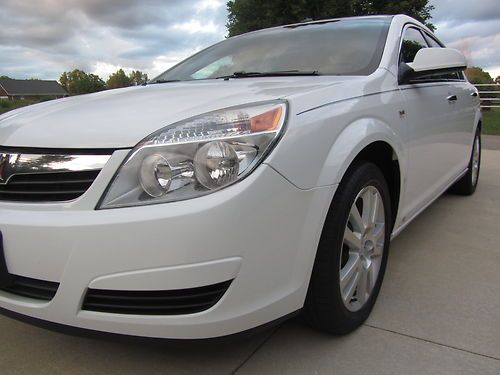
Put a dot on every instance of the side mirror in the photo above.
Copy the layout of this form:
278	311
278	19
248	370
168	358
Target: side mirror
430	61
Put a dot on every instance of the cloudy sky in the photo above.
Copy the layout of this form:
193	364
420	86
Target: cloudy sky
42	38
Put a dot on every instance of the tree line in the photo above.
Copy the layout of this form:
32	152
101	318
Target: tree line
78	82
251	15
477	75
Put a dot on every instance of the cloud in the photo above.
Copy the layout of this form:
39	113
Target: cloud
43	38
473	28
459	11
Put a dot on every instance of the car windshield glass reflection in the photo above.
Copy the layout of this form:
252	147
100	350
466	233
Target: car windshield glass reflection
347	47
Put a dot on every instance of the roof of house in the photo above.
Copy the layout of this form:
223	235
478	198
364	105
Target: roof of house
31	87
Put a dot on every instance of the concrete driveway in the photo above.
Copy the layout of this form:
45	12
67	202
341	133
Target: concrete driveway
438	313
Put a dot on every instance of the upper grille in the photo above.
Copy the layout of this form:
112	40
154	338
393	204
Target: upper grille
31	288
47	187
155	302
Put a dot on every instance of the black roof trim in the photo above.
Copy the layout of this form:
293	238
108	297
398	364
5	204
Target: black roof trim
331	20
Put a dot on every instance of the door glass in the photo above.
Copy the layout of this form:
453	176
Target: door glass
432	43
413	41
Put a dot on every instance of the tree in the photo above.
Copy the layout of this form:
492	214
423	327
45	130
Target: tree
250	15
78	82
118	79
5	77
137	77
478	76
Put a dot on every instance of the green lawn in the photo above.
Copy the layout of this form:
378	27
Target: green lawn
491	121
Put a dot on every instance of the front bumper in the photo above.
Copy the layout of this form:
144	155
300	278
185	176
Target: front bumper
262	233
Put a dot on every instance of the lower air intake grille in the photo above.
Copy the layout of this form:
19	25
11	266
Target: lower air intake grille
31	288
47	187
161	302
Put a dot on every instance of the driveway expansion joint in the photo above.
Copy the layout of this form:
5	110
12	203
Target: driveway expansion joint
432	342
257	348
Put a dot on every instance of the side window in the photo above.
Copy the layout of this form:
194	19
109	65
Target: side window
432	42
413	41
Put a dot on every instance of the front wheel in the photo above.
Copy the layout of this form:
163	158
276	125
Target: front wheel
352	253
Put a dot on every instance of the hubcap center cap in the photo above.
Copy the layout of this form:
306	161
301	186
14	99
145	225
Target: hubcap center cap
368	246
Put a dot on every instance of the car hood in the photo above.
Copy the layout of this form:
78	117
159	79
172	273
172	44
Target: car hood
120	118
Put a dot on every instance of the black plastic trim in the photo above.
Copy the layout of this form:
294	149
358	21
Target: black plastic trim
155	302
86	332
47	187
31	288
24	286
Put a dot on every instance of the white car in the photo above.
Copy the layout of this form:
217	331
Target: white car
263	176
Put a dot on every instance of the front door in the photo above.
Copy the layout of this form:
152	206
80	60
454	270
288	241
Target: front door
435	147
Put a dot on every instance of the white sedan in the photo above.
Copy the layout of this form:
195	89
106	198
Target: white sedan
263	176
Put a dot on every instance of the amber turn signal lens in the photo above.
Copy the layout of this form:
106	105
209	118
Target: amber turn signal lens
266	121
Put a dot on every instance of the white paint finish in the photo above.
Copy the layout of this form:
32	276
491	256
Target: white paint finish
438	143
174	277
270	222
429	59
123	117
321	144
466	106
232	223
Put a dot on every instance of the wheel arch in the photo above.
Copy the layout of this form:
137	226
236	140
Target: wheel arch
373	141
478	120
383	156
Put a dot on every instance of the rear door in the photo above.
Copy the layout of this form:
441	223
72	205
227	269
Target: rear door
435	139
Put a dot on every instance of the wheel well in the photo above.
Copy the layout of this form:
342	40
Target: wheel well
381	154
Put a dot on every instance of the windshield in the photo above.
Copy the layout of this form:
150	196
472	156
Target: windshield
339	47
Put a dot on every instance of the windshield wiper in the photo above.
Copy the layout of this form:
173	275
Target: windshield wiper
277	73
166	80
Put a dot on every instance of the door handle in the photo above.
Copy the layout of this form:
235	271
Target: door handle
474	94
452	98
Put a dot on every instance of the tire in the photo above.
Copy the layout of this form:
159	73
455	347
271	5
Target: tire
468	183
327	308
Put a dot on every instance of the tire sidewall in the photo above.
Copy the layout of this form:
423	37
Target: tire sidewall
358	177
475	183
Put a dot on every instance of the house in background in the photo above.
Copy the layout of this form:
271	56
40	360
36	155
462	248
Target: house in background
30	89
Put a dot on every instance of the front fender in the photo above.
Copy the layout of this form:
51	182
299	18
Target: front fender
351	141
320	144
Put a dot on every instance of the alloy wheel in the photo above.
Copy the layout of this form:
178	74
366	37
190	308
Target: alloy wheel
362	249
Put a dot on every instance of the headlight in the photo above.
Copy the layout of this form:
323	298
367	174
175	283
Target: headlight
197	156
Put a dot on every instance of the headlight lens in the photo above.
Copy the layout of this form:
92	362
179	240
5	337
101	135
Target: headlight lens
197	156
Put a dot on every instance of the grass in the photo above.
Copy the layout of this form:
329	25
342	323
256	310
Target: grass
8	105
491	121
